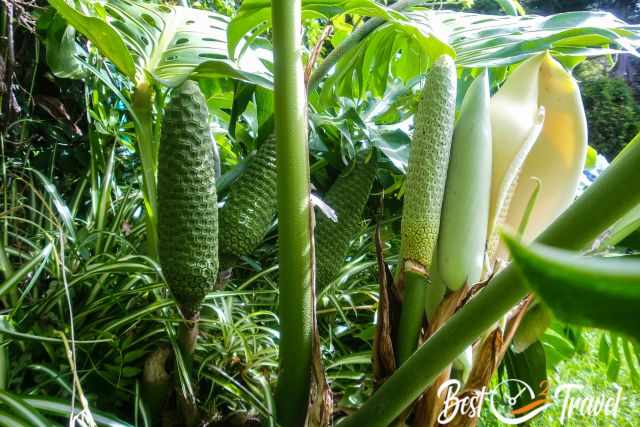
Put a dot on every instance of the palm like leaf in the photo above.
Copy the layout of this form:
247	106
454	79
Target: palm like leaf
405	49
489	41
164	43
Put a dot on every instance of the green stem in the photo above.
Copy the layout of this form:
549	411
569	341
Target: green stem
294	233
352	41
105	193
5	264
142	108
412	316
607	200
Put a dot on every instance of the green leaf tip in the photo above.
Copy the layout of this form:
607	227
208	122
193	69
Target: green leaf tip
589	291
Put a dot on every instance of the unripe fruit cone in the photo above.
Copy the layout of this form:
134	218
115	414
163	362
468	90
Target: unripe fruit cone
248	212
428	163
424	191
348	197
187	201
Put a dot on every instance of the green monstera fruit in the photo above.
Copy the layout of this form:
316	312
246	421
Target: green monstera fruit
187	200
347	197
248	212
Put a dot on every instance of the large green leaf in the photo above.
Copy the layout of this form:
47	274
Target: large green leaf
18	406
256	14
597	292
101	34
161	42
404	49
63	51
481	40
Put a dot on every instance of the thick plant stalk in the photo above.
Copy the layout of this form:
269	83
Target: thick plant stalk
142	107
486	361
156	383
463	225
607	200
294	215
412	315
428	408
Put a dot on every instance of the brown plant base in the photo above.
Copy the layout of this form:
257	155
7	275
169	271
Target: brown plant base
156	382
489	354
384	358
485	363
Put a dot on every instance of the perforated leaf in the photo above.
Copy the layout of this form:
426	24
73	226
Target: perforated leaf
165	43
256	14
477	40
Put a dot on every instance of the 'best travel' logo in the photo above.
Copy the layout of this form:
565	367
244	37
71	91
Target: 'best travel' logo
571	396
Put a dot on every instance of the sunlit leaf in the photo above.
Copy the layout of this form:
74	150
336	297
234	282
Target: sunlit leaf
597	292
481	40
62	209
166	43
394	145
101	34
23	409
592	158
63	50
15	279
511	7
477	41
557	346
257	14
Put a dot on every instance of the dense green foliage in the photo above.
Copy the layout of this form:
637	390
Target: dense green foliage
187	201
613	115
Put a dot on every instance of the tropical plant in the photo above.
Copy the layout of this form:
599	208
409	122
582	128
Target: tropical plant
415	284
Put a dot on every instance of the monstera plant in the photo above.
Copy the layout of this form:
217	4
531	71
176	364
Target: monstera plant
530	142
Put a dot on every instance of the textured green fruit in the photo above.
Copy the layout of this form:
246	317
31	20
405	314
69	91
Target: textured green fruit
347	197
465	211
534	323
187	201
251	205
428	162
